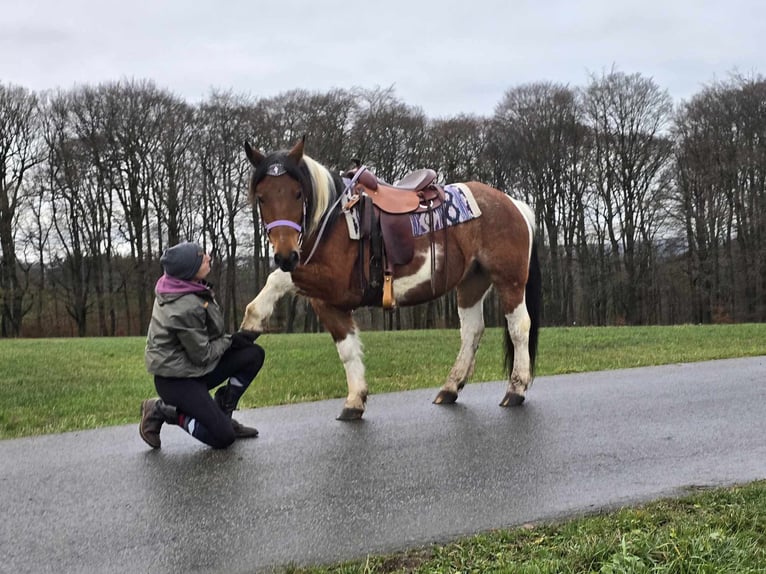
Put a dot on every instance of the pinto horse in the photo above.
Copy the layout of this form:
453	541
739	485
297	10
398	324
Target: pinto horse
299	201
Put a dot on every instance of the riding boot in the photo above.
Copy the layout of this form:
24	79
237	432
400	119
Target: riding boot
155	412
226	399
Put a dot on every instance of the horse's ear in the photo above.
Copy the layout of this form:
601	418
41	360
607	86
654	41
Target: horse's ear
296	153
253	155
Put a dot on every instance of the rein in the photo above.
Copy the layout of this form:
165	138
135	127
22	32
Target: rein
329	211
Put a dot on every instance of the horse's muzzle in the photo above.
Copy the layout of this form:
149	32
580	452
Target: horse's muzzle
287	263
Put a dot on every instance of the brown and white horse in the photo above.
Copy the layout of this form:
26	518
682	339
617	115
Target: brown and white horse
298	200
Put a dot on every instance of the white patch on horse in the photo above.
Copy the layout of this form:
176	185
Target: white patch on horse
519	324
529	217
351	354
403	285
471	330
257	313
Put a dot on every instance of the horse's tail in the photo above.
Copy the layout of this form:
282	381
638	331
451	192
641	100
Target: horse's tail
533	299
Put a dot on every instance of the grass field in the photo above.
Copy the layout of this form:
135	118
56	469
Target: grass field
55	385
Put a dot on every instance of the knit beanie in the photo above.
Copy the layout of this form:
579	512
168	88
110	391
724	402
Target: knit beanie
183	260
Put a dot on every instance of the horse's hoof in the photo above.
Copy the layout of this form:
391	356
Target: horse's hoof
348	414
512	400
445	398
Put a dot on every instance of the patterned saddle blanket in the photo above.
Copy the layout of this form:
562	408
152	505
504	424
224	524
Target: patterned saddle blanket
459	206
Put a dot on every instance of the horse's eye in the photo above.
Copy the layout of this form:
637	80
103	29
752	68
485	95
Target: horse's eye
299	195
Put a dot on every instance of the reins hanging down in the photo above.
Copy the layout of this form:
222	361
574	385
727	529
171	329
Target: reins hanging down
329	211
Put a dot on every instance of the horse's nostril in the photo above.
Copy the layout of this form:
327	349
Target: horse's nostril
294	257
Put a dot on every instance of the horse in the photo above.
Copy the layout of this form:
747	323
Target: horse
299	201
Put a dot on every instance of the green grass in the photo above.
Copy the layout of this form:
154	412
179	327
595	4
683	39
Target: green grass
719	531
56	385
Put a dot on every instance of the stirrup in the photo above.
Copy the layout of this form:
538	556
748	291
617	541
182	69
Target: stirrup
388	292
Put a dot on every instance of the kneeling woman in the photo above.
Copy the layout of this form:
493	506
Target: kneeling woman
189	353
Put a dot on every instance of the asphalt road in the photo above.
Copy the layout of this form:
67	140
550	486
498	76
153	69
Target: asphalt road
313	490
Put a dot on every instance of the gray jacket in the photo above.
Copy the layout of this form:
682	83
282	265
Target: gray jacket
186	336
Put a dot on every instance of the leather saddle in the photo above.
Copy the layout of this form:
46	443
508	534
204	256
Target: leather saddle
416	192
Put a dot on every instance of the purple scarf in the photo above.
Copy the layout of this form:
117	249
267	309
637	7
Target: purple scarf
167	285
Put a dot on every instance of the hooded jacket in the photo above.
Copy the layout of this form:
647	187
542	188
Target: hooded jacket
186	336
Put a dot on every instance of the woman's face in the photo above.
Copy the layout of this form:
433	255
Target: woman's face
204	269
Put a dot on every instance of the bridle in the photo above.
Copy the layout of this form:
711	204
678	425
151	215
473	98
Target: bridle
277	169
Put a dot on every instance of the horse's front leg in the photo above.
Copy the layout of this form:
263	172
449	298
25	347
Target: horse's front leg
278	284
344	332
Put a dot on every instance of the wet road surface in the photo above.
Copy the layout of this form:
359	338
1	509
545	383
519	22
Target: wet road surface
312	490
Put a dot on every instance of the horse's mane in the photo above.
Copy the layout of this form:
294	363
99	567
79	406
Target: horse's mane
319	184
326	188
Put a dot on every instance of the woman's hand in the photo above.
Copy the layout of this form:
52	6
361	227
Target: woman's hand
242	339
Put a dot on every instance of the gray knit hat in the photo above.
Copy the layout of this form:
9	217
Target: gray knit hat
182	260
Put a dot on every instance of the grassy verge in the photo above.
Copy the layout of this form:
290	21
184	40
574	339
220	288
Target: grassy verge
722	530
56	385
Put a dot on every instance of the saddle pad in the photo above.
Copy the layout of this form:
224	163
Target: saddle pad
459	207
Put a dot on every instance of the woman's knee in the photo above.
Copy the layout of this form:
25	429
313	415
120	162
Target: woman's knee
224	444
258	354
254	359
222	439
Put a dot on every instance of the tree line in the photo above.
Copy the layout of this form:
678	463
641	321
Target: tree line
648	212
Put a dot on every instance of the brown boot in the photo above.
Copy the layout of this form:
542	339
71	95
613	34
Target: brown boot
151	423
223	399
154	412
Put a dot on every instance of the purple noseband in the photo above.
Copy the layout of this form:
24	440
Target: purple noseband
284	223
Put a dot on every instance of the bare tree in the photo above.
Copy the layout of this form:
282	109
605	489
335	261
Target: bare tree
35	231
81	206
544	140
89	120
224	122
629	117
19	152
721	193
388	135
174	176
136	111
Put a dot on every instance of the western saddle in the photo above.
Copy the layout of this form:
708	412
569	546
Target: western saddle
384	214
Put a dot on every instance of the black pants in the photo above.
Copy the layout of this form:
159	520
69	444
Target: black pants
191	396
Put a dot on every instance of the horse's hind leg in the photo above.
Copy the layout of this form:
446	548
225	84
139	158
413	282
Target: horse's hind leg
344	332
519	325
470	302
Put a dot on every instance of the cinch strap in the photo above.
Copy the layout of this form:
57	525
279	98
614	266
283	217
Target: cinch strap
284	223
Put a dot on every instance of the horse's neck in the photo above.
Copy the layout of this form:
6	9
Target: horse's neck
313	243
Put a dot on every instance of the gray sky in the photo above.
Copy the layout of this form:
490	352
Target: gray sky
445	56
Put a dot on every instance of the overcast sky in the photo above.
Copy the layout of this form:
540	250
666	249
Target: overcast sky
445	56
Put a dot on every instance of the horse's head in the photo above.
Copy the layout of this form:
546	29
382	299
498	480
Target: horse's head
279	187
